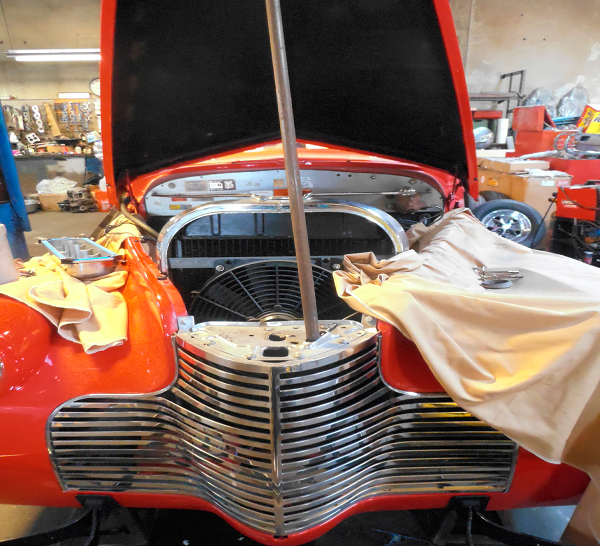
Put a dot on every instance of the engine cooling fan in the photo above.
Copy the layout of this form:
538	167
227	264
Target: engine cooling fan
265	291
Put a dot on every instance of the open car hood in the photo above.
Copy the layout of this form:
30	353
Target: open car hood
189	80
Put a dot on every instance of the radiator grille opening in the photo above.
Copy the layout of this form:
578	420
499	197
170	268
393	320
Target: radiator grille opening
214	244
333	446
232	247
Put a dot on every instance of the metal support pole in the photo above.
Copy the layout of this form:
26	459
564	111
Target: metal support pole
292	169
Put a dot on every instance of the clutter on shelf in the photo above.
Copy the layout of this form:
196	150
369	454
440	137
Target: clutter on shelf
52	126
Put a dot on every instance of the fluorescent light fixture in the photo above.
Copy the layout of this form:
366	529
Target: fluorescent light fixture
53	55
73	95
56	58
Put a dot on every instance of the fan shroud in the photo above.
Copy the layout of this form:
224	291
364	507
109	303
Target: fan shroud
264	291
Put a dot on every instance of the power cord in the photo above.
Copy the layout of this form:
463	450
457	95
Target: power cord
542	222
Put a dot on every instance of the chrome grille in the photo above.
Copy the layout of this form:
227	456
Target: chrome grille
280	448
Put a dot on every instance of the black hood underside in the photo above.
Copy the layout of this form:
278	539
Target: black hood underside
193	78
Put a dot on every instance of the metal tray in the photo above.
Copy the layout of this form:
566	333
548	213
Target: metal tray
83	258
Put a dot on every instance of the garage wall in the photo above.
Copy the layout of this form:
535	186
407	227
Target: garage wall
45	80
47	24
556	41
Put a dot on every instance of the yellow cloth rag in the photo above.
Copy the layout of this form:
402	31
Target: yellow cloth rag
93	312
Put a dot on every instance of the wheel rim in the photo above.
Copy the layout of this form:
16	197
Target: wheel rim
510	224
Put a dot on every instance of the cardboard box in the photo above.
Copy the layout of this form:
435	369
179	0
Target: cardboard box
514	164
589	122
534	187
50	201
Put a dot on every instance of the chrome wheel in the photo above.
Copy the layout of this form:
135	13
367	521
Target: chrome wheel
510	224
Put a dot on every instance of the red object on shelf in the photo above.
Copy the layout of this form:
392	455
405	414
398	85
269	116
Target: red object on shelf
531	118
529	122
487	114
530	142
581	170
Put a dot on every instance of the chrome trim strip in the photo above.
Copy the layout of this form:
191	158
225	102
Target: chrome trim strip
313	204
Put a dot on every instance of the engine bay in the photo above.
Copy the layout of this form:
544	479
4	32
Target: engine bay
230	252
408	200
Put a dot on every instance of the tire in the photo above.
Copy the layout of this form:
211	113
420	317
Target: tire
493	195
513	220
472	204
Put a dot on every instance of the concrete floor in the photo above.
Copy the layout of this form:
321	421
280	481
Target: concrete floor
59	224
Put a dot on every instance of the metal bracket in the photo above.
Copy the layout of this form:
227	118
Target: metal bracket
184	324
333	263
480	529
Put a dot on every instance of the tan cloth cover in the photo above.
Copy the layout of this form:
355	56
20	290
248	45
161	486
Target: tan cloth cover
526	360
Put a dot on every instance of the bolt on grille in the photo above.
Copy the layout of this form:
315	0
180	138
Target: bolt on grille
280	448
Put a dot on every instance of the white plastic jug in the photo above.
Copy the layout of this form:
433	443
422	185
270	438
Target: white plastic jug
8	271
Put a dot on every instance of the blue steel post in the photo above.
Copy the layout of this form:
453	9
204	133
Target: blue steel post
12	214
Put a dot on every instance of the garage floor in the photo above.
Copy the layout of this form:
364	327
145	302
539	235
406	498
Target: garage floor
192	528
189	528
59	224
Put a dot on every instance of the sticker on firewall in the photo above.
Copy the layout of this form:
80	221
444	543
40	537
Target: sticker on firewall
221	185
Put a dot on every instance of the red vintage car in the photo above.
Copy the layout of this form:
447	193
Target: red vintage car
216	401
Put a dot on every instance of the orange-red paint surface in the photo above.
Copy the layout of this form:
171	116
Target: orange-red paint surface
402	366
